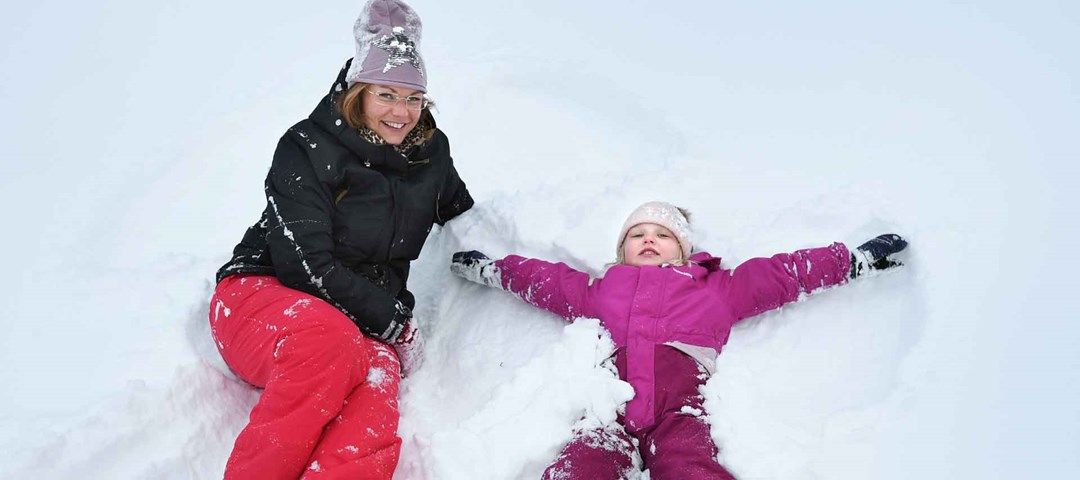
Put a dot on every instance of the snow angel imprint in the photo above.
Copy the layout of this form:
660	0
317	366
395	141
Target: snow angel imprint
669	312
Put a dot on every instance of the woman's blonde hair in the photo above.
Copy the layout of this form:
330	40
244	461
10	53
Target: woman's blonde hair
351	105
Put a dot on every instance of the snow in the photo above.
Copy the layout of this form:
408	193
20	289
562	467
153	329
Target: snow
136	137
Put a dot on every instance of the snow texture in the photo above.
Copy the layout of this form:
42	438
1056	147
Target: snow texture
135	147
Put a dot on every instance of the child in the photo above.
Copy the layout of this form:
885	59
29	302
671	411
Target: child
669	314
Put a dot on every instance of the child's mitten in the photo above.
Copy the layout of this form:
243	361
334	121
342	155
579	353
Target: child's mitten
874	254
476	267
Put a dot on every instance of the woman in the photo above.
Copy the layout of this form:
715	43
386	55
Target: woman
313	305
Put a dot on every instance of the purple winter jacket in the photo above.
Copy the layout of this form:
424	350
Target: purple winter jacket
691	308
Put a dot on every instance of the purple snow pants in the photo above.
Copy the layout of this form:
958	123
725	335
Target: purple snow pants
677	446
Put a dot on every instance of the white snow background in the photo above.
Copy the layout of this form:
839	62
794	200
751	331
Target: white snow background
135	137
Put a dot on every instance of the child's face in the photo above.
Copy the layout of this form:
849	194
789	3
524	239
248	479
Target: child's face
650	244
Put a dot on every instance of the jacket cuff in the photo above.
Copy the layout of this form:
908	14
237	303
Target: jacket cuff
860	265
402	315
460	204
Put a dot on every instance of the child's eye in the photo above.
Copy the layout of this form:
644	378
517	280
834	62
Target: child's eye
663	235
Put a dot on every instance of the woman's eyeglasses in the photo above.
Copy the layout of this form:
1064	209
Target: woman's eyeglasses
387	99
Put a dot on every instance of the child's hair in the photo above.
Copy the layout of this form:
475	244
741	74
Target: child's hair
669	216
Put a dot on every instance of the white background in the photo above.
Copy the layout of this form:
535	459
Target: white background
135	138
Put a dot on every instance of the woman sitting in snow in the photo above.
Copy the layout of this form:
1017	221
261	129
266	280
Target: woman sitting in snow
313	305
669	313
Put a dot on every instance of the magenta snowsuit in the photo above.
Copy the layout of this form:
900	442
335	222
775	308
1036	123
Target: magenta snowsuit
654	313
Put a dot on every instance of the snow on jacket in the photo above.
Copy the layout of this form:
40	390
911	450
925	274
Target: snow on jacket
690	307
345	217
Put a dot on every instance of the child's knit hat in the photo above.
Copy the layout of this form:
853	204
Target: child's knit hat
388	46
661	213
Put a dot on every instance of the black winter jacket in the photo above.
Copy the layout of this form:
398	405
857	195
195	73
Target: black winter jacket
344	217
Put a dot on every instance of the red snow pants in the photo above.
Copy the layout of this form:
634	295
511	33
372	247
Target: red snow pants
329	406
678	446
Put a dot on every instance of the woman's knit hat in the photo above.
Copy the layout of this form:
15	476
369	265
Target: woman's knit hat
388	46
661	213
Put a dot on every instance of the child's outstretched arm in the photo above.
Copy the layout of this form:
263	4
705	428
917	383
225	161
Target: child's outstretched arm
763	284
554	287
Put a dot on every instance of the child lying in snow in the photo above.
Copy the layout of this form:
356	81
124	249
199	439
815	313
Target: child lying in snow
669	314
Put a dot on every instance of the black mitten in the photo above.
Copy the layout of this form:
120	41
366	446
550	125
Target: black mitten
476	267
875	253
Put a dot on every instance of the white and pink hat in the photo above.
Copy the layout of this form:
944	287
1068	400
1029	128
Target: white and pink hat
388	46
661	213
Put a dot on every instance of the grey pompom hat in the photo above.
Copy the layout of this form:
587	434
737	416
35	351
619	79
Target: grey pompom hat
388	46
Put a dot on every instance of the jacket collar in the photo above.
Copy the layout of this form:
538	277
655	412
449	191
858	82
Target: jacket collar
700	266
705	260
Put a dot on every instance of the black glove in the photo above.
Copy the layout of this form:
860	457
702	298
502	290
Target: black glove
409	346
402	316
476	267
874	254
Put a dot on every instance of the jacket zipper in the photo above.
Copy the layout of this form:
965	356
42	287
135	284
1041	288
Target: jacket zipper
438	217
393	219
